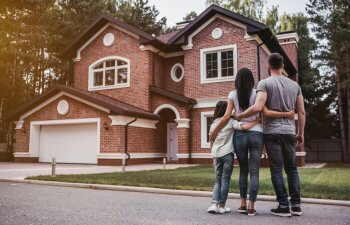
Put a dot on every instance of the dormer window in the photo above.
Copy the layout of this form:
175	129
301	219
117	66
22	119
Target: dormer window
218	64
110	72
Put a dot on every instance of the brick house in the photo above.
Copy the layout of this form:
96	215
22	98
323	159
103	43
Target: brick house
143	98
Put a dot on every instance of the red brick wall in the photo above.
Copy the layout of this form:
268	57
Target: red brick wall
246	53
140	67
169	84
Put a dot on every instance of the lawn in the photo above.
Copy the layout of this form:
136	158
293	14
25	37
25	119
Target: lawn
326	183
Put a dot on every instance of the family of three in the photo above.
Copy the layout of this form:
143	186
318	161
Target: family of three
277	98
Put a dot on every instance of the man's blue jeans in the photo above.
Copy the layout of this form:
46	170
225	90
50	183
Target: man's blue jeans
223	170
248	142
281	150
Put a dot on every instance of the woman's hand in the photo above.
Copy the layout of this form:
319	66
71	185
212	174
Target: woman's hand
237	116
290	115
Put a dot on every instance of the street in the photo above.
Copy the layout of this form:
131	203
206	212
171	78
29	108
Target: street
39	204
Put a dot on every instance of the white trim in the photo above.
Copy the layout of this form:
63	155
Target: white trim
22	154
204	132
78	56
183	123
194	155
147	155
19	124
256	38
167	106
91	86
289	42
208	102
118	120
216	16
172	72
34	139
300	153
288	35
62	107
53	98
132	155
159	52
217	49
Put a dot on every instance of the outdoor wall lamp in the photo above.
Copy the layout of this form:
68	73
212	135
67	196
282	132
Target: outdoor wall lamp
105	126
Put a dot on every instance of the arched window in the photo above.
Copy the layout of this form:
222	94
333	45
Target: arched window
109	72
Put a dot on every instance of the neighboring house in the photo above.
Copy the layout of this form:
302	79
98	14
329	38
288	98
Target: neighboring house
144	97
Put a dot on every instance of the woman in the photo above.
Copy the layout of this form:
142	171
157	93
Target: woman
248	141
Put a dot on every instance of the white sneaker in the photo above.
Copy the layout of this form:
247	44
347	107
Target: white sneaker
223	210
213	208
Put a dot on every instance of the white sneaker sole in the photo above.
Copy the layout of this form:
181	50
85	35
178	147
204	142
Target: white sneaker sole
297	213
242	211
251	214
282	214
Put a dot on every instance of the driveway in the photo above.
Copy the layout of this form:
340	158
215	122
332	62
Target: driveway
23	170
40	204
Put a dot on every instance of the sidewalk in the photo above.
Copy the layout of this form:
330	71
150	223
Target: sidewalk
19	171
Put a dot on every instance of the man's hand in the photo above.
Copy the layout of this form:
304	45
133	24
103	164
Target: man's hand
212	137
237	116
300	140
291	115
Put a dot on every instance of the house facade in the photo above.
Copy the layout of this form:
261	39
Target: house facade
143	98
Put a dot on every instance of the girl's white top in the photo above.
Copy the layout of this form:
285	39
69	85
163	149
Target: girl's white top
234	97
223	144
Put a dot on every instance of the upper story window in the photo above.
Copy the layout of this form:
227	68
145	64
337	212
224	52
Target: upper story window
109	72
218	64
177	72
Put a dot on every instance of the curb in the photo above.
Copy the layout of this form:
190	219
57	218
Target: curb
168	191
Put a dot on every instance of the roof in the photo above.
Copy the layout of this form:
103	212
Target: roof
174	40
115	106
99	23
172	95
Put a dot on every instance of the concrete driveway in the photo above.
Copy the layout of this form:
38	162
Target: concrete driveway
23	170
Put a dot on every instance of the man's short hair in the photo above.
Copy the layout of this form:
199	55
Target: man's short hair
275	61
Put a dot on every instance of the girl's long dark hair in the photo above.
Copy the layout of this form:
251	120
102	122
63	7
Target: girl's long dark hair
220	109
244	85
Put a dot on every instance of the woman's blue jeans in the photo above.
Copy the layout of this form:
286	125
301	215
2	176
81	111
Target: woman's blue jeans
223	170
248	147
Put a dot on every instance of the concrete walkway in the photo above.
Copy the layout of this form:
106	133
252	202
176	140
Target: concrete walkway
23	170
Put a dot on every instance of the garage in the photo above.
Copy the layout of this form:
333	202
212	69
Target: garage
69	143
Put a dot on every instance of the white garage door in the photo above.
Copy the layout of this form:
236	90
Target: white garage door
69	143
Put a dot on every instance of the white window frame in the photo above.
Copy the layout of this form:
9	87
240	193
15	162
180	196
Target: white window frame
172	72
204	79
204	131
91	86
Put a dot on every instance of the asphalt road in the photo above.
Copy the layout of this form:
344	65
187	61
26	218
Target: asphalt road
37	204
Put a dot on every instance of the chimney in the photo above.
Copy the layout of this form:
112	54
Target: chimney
289	42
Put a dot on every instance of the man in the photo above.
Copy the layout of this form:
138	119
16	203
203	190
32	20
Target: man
282	94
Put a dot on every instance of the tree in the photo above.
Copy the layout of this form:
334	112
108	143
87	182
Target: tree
139	14
331	20
190	16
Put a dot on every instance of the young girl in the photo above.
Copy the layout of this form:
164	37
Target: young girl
222	152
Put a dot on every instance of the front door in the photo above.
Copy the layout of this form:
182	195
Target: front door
172	141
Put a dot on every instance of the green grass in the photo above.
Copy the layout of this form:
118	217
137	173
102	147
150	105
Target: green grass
326	183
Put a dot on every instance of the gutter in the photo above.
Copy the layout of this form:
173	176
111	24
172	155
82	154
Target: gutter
258	56
126	139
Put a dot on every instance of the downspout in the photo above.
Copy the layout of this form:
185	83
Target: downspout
126	140
258	56
190	134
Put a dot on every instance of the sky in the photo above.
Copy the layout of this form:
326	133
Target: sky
175	10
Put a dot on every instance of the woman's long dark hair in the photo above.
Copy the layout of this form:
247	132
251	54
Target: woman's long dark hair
220	109
244	85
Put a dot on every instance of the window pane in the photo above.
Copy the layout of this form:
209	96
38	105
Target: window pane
110	77
178	72
120	63
110	63
227	63
209	121
99	66
122	75
98	78
211	65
